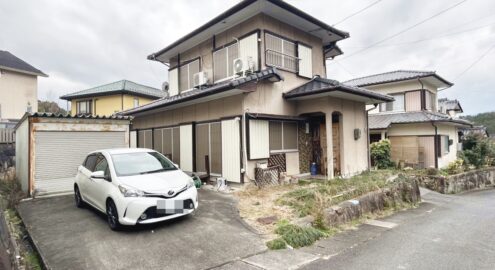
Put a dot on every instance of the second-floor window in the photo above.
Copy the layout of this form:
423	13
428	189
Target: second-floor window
186	75
84	107
394	106
280	53
430	101
223	60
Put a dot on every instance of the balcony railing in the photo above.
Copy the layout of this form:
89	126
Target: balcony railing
282	61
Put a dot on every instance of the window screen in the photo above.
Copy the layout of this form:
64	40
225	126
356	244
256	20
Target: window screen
186	75
283	136
395	106
223	62
280	53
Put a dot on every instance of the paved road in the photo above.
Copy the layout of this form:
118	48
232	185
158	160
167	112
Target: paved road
446	232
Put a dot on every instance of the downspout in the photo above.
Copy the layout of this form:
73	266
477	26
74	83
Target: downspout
368	134
436	144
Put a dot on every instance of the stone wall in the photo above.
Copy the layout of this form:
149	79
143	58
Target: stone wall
401	193
460	182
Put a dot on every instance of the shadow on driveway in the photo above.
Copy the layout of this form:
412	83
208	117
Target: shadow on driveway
72	238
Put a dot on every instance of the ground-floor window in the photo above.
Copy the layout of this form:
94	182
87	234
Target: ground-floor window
282	136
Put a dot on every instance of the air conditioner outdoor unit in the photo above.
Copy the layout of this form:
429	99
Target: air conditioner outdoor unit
200	79
238	66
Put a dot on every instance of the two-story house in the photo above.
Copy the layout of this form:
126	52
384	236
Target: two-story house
423	131
108	99
18	87
249	89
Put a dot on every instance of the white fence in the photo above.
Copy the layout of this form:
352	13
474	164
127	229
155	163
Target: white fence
7	135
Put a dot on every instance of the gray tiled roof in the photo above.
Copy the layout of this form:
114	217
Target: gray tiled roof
11	62
449	104
384	120
320	85
393	76
270	73
123	86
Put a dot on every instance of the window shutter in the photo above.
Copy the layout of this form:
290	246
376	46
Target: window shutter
248	50
305	61
173	82
258	139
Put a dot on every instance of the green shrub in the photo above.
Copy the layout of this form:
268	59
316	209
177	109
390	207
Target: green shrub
297	236
277	243
478	151
381	154
455	167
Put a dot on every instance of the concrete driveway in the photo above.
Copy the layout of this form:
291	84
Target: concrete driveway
72	238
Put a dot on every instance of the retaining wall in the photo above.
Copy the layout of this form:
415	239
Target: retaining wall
460	182
402	192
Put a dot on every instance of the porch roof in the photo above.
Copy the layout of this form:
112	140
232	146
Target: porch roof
384	120
208	93
325	87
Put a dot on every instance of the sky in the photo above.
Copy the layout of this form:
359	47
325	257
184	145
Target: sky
86	43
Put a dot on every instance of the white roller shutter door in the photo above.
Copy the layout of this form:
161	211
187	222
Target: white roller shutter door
231	150
59	154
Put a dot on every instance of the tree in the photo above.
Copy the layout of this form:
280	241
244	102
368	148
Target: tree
50	107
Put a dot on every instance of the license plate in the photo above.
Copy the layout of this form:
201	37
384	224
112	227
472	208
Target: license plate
169	207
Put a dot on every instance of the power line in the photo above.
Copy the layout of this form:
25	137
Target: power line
475	62
404	30
433	38
357	12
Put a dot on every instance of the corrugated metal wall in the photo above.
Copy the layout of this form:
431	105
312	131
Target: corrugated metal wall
231	150
258	139
59	154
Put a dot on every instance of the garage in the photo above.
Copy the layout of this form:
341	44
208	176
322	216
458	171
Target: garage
49	148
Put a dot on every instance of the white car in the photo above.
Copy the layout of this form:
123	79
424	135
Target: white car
134	186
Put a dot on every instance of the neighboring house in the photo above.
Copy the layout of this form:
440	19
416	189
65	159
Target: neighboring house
111	98
452	107
249	89
475	130
18	88
420	135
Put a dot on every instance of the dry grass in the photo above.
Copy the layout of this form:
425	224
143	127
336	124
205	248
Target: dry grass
257	203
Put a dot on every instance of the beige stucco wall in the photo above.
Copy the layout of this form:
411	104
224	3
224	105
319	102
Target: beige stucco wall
451	131
16	91
258	22
354	153
211	110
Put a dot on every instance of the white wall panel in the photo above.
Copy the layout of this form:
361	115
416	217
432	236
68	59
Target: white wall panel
305	61
173	82
231	150
186	149
133	139
249	50
258	139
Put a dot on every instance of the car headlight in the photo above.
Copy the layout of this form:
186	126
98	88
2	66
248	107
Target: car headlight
190	183
130	192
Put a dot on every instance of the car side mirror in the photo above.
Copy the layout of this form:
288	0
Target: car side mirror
98	175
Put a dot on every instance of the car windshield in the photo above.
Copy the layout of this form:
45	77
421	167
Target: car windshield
141	163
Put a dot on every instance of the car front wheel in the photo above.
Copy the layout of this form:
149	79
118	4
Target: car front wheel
78	198
112	216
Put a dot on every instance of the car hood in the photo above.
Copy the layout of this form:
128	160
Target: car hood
157	182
